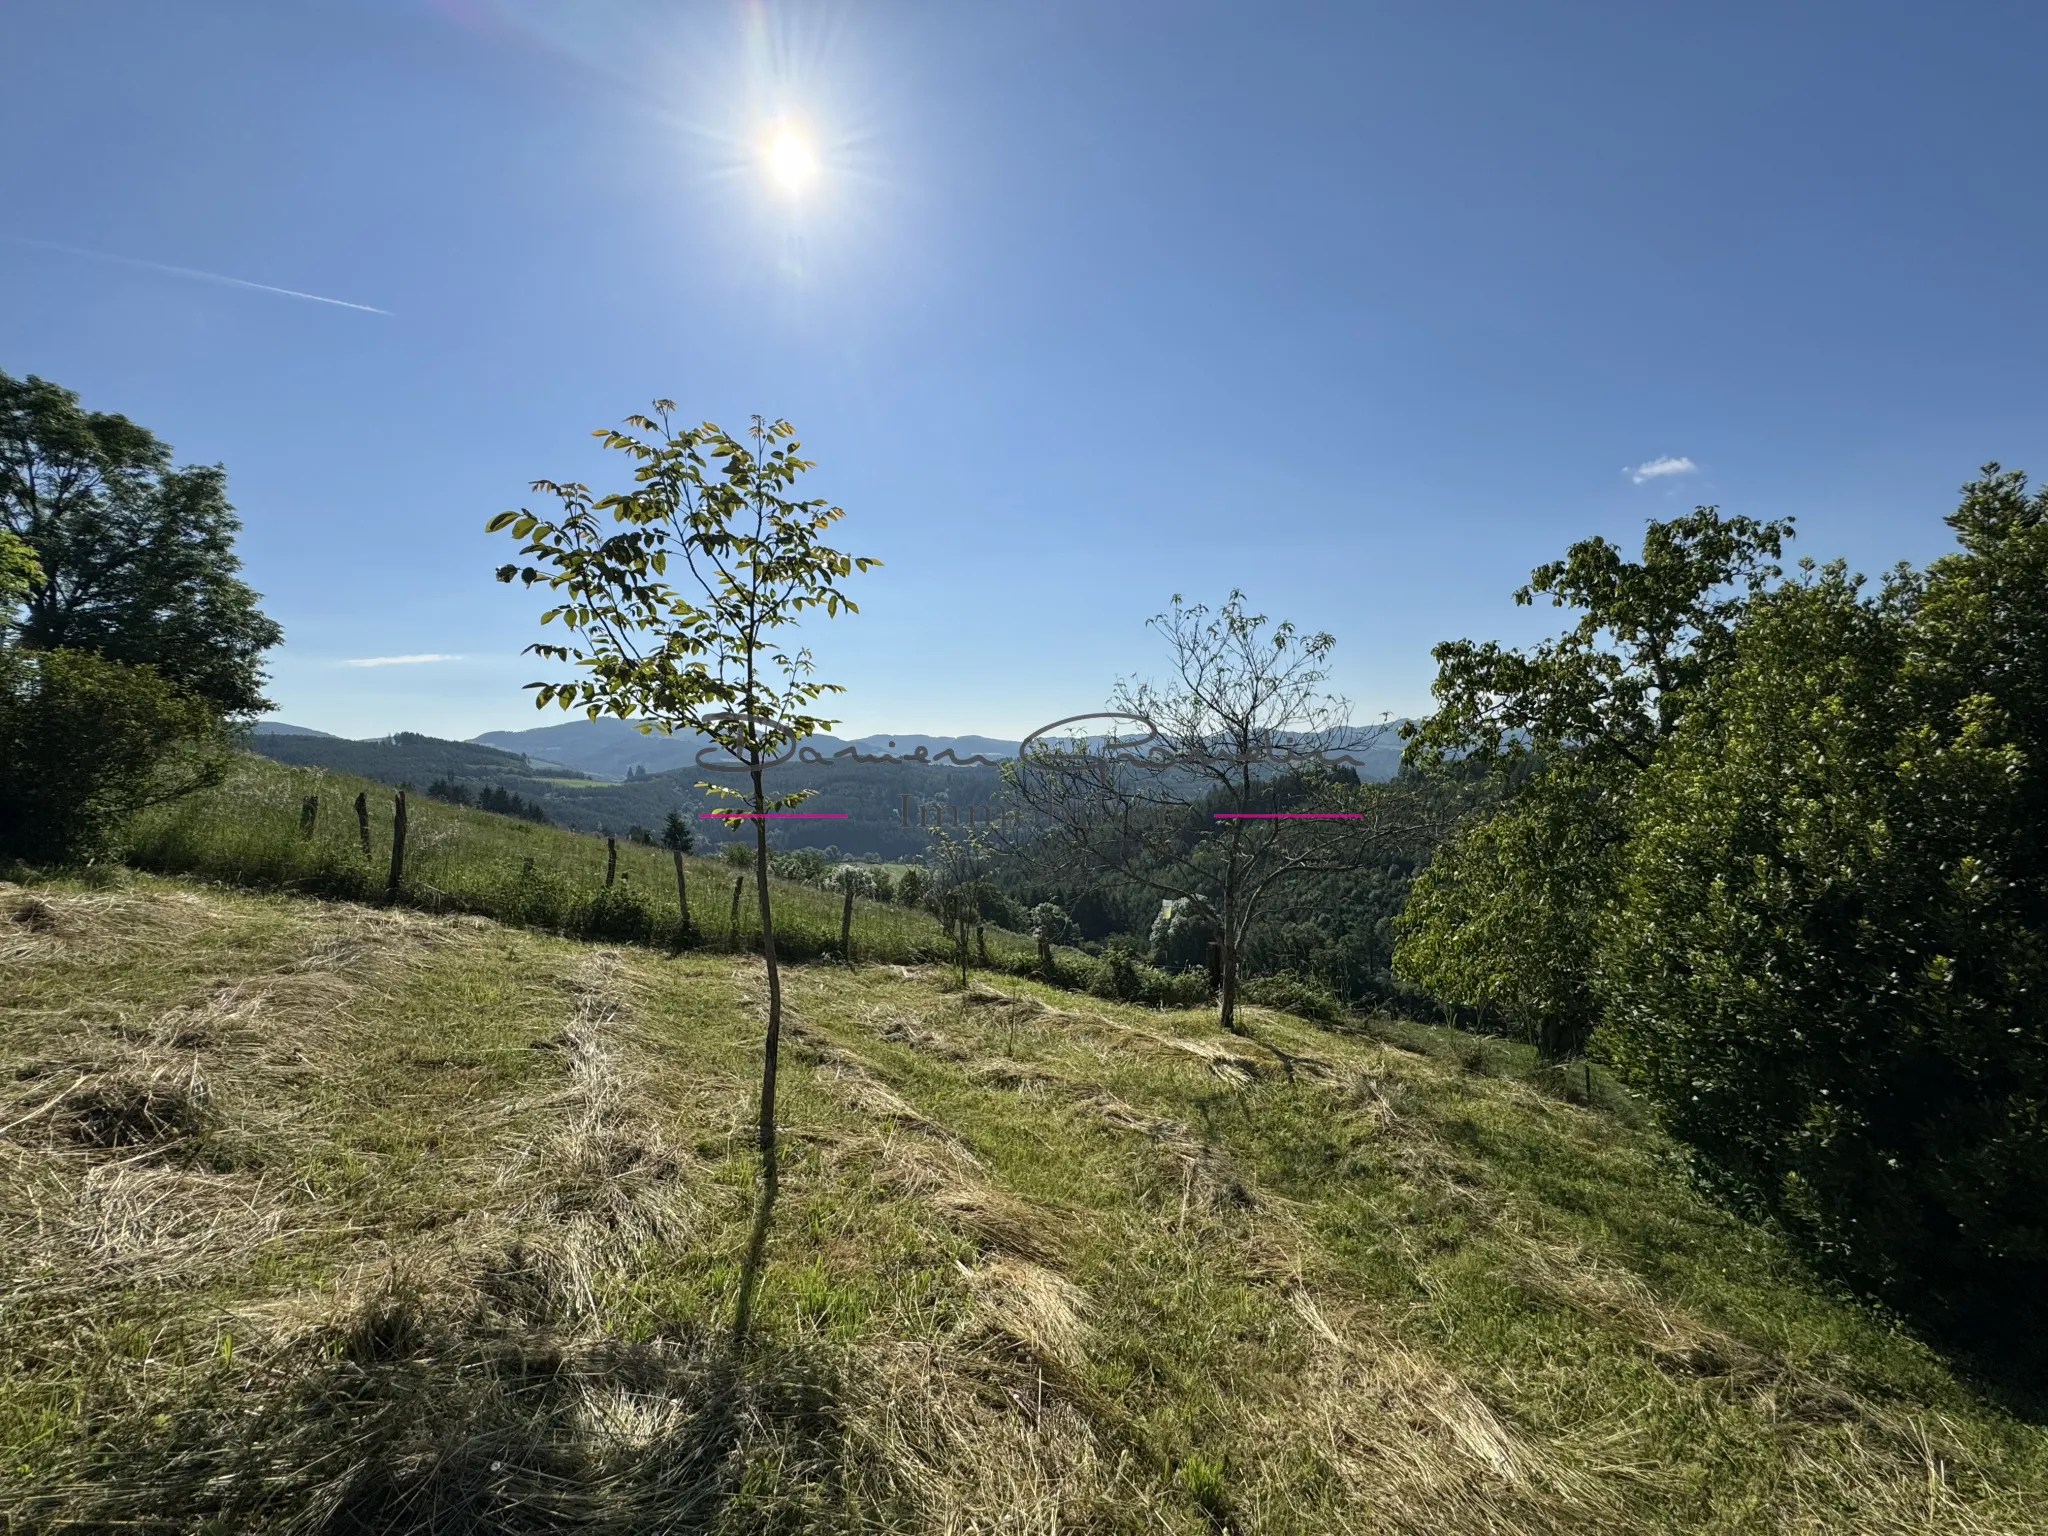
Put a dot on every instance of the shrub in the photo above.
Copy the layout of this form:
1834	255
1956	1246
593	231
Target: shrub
85	743
853	877
1120	976
913	888
1116	977
615	912
806	866
1293	993
1050	919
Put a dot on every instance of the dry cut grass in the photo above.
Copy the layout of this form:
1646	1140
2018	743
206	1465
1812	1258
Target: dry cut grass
316	1217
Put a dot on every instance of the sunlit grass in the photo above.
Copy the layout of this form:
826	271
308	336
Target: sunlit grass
323	1215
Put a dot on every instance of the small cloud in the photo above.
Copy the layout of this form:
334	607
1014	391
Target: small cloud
1656	469
398	661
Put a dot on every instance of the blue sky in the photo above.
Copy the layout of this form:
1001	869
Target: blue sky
1366	309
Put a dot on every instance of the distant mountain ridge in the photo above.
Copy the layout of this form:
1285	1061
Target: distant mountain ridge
611	748
875	806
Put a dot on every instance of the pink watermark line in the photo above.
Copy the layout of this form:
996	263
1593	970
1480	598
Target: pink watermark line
1287	815
763	815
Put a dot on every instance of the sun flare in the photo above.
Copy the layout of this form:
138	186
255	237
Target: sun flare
790	159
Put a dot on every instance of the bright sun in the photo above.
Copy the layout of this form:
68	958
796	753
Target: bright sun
790	160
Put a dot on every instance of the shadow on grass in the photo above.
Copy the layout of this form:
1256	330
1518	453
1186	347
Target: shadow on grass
472	1409
757	1252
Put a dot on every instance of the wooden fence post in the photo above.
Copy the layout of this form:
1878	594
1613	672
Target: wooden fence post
981	945
738	881
611	861
846	926
397	846
682	902
309	812
1044	955
363	821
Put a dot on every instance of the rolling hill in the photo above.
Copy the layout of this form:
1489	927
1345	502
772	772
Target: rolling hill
871	796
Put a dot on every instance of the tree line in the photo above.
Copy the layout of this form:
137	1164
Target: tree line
129	645
1775	848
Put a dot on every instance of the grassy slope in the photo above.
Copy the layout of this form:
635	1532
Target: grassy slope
246	832
317	1216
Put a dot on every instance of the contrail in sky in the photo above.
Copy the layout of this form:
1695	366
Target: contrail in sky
205	277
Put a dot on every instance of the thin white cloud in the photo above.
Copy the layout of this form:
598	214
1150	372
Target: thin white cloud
398	661
1656	469
204	277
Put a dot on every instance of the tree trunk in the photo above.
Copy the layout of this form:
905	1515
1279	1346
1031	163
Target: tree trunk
611	861
768	1060
1226	996
682	903
1556	1040
846	926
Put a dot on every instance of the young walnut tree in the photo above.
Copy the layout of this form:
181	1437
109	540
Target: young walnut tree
1245	729
674	595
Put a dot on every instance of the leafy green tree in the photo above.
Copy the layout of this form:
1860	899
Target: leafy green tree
85	743
1498	919
136	559
913	888
1504	919
1828	964
19	571
1613	684
676	594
